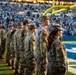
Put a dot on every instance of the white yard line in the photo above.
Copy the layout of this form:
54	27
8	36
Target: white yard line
71	60
72	70
72	65
71	50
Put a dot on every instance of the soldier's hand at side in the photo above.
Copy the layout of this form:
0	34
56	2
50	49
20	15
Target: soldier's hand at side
45	61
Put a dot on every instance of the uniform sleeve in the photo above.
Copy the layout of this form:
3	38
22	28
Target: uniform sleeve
6	40
43	42
23	35
60	53
3	35
33	44
26	45
15	42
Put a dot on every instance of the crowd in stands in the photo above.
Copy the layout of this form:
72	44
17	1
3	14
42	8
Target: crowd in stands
17	12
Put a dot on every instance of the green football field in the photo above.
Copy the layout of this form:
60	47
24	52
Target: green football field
6	70
70	42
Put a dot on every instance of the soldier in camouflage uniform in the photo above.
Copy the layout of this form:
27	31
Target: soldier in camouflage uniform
41	40
0	43
30	46
16	46
57	62
3	39
24	32
8	53
12	48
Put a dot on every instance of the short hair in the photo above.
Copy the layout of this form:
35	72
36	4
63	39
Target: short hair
44	18
32	27
20	23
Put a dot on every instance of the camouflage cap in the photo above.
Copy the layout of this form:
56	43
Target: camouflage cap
44	18
0	26
20	23
10	25
32	27
57	27
26	21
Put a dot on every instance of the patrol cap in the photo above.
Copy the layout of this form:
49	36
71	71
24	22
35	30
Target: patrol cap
57	27
44	18
20	23
26	21
0	26
32	27
10	25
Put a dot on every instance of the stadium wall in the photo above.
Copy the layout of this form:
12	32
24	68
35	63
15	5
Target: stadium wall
69	38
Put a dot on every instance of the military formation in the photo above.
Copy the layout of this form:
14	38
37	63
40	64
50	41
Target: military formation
27	49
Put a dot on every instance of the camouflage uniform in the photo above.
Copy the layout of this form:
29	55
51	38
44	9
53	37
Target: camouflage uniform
16	49
3	40
23	34
8	57
16	46
12	48
40	55
0	46
29	45
57	64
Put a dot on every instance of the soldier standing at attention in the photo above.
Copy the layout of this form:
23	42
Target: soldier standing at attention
0	43
30	46
12	48
3	39
8	39
57	62
41	40
18	27
16	46
24	32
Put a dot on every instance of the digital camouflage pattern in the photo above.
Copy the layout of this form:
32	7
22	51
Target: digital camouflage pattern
0	46
41	41
12	49
3	40
57	61
23	34
8	54
30	46
16	48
